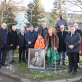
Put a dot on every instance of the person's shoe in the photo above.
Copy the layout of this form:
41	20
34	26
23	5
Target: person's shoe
74	73
59	63
63	63
52	67
69	71
13	61
19	61
24	61
48	66
4	65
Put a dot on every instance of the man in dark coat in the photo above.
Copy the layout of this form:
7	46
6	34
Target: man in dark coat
43	31
30	38
78	31
62	46
3	44
21	44
61	22
12	44
72	41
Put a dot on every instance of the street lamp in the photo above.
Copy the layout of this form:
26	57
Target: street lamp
31	6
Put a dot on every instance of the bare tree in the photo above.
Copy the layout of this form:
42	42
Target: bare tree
76	3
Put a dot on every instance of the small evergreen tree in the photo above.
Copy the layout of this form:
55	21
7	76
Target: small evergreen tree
37	14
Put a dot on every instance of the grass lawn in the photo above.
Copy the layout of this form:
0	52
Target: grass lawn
23	71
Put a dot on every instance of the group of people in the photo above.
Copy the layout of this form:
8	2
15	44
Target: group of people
23	41
42	39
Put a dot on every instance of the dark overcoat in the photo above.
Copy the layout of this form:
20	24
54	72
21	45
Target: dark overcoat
45	31
31	36
74	40
62	45
12	40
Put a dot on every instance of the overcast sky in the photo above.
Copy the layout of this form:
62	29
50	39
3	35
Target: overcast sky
48	5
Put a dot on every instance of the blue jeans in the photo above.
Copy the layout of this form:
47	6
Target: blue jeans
64	56
3	51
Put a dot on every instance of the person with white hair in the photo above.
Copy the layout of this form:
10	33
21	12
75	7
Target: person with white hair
77	29
80	32
3	44
72	41
44	30
21	44
12	44
62	46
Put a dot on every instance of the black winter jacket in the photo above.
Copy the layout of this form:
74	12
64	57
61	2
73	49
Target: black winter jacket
43	32
79	31
74	40
61	41
12	40
21	40
1	38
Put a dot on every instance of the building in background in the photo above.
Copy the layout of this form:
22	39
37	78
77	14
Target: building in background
21	18
74	18
20	12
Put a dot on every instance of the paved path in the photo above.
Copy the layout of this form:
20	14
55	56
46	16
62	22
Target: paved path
4	78
7	75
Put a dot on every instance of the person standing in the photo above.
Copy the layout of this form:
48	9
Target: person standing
21	43
61	22
12	44
51	43
62	46
30	38
43	31
78	31
3	44
72	41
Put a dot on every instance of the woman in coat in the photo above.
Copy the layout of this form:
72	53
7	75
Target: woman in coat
39	44
12	44
51	42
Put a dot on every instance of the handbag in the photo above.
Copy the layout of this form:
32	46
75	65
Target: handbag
56	55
